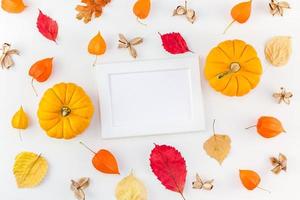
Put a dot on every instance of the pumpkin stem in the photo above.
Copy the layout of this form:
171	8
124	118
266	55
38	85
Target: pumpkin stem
65	111
226	29
34	90
251	127
234	67
87	147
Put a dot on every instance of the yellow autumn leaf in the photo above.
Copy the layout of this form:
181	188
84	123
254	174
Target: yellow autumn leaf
131	188
29	169
20	119
218	146
278	50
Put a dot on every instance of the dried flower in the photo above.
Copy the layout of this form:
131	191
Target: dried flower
184	10
124	43
283	96
277	7
78	187
279	163
199	184
5	58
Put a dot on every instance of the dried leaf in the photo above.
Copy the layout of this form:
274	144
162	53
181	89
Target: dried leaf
190	14
169	167
279	163
218	146
283	96
78	187
29	169
47	26
6	61
91	7
199	184
124	43
278	50
277	7
174	43
131	188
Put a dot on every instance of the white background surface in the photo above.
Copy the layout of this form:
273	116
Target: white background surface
67	159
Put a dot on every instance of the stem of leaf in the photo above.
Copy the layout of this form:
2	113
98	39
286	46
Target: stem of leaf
182	196
20	135
34	90
264	190
87	147
139	21
214	131
226	29
95	62
251	127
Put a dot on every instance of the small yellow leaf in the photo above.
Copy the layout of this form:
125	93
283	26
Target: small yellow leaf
20	119
131	188
218	147
29	169
278	50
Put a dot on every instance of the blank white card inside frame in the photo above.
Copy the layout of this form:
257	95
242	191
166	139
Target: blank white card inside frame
150	97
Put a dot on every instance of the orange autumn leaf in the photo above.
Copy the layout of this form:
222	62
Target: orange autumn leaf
97	46
250	179
141	8
240	13
41	70
104	161
13	6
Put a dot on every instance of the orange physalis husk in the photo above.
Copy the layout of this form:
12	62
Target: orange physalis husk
268	127
40	71
20	121
250	179
97	46
141	9
240	13
13	6
104	161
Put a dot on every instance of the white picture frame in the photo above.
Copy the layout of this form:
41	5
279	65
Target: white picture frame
150	97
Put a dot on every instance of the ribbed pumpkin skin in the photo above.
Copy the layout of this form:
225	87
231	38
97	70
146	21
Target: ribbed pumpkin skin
65	111
228	79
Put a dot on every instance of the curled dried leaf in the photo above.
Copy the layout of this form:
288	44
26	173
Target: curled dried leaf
6	61
277	7
278	50
124	43
78	187
283	96
279	163
190	14
91	7
199	184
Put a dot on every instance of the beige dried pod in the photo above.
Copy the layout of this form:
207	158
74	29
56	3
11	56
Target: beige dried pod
278	50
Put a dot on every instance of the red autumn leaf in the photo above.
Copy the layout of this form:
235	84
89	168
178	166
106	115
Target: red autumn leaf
169	167
47	26
174	43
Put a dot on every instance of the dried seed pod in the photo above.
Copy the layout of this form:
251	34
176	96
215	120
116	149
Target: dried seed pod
279	163
283	96
190	14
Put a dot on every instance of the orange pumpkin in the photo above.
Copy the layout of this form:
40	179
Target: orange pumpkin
233	68
65	111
